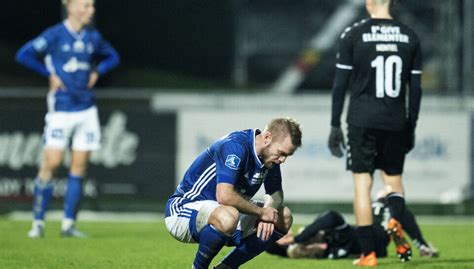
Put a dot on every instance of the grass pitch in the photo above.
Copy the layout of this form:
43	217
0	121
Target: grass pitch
148	245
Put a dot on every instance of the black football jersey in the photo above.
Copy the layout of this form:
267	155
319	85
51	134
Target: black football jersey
381	54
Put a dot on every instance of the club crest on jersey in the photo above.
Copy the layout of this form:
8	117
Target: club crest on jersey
40	44
66	48
73	65
232	161
78	46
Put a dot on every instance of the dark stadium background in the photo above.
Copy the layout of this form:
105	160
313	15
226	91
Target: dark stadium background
192	38
187	43
190	45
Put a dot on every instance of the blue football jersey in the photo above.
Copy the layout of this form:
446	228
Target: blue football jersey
232	159
72	56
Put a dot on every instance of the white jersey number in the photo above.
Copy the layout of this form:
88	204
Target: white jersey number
385	82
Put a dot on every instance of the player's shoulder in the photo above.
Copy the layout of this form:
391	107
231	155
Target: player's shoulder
92	31
237	141
406	29
48	36
241	135
55	29
354	28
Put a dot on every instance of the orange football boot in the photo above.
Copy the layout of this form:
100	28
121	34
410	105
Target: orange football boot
366	261
402	246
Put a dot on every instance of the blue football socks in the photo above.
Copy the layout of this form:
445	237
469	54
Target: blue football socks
250	247
72	196
43	192
211	242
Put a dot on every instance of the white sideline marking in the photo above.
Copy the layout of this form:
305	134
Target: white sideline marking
301	219
93	216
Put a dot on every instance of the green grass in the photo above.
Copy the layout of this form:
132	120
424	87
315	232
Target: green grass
148	245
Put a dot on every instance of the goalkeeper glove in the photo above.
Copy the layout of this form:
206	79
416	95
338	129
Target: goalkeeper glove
336	141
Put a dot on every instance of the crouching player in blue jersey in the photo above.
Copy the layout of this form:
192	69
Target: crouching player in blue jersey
73	56
212	205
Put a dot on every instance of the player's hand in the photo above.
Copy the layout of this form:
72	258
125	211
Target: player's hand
336	142
269	214
93	79
55	83
265	230
409	138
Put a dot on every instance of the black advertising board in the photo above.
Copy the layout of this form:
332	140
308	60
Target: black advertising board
136	161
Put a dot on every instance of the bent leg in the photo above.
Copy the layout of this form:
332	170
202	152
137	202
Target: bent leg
395	197
222	223
251	246
396	205
327	220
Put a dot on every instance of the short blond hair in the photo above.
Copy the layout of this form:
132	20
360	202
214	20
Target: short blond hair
281	127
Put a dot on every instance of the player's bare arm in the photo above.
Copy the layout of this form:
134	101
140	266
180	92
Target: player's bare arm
265	229
93	79
226	195
274	200
55	83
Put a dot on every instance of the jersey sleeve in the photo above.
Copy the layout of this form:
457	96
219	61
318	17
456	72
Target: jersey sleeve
273	181
344	56
109	56
44	42
341	80
229	158
33	52
417	60
415	94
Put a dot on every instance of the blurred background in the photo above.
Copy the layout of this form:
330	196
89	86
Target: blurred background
192	71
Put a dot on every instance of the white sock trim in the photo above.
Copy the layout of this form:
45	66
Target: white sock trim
67	223
37	223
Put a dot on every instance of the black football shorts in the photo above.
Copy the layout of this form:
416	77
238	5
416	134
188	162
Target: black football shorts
370	149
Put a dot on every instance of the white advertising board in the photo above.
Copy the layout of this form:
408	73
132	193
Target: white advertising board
437	170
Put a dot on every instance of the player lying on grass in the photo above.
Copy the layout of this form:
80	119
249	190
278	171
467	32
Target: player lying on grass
329	236
212	205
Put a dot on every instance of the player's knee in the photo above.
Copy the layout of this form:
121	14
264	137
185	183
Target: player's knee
334	216
225	219
78	168
331	213
79	162
51	163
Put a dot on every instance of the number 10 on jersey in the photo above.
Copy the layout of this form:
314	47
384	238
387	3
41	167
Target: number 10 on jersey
388	74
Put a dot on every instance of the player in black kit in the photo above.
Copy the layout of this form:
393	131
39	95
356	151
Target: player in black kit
377	58
330	236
